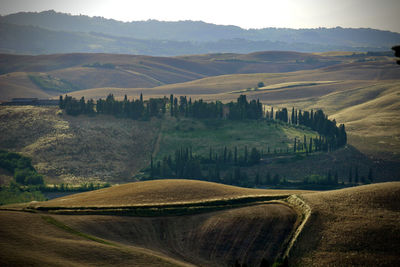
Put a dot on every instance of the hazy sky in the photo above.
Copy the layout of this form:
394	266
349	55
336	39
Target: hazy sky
378	14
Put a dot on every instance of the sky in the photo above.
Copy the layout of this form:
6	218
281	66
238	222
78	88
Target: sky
377	14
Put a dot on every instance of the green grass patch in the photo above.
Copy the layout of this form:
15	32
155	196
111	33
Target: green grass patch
216	133
50	83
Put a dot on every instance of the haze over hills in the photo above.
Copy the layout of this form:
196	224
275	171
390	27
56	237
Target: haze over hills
51	32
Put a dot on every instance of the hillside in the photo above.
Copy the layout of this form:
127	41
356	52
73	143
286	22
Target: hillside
104	148
77	149
219	238
54	32
70	72
360	94
160	192
30	239
355	226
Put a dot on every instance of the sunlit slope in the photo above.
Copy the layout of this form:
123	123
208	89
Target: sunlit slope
308	83
369	111
28	239
158	192
85	71
18	84
80	149
354	226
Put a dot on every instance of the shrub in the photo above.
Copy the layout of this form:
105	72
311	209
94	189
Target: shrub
27	177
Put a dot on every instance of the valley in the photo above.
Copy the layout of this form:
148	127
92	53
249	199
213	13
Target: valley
252	197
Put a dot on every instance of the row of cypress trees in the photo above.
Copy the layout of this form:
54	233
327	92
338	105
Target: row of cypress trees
186	165
332	136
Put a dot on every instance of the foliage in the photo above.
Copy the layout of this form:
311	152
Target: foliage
27	177
50	83
135	109
11	161
186	165
331	136
21	167
70	188
99	65
16	194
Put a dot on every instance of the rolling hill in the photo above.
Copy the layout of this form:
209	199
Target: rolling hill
350	226
51	32
84	71
355	226
75	150
218	238
363	95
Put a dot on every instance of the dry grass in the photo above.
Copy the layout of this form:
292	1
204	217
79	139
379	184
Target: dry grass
131	71
209	239
18	84
77	149
355	226
27	239
159	192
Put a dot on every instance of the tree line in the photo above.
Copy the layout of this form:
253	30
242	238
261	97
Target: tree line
331	135
138	109
135	109
184	164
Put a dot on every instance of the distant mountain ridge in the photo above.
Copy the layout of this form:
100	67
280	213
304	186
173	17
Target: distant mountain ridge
52	32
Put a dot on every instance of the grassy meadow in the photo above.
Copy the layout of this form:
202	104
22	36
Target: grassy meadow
201	135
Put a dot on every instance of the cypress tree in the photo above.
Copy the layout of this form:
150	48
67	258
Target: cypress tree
336	178
61	103
235	156
330	181
171	104
245	155
176	109
294	146
257	179
268	178
225	154
151	167
293	119
350	176
356	178
370	177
